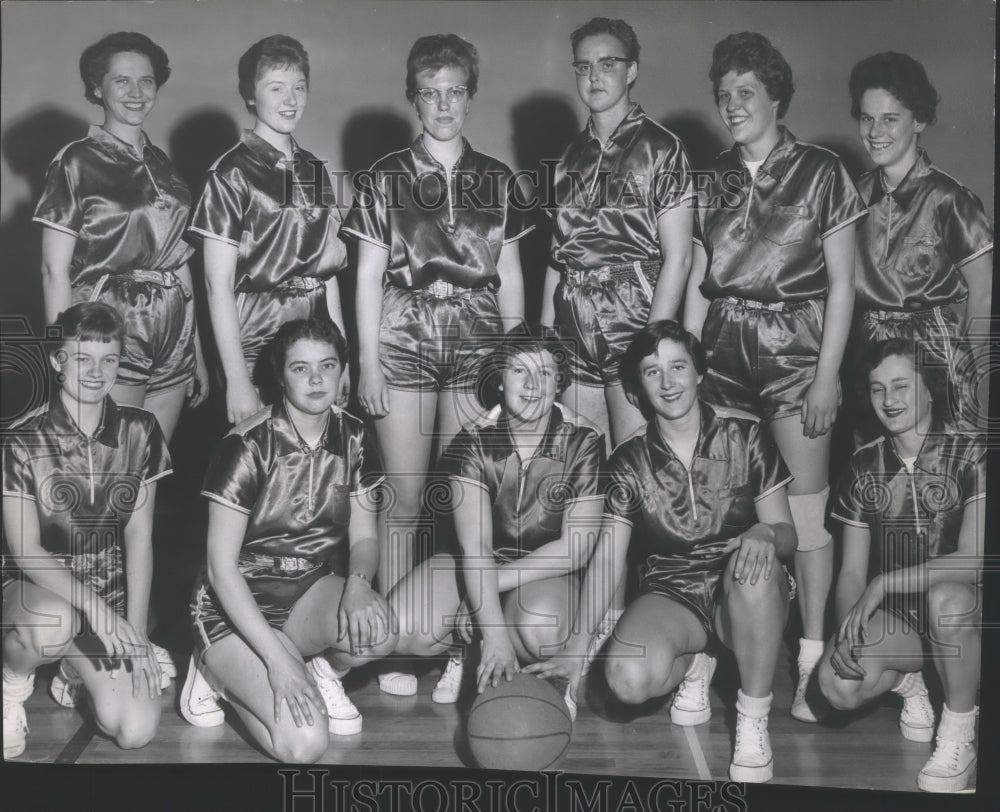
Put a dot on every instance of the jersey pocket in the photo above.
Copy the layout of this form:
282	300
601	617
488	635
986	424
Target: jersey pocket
736	507
917	257
788	224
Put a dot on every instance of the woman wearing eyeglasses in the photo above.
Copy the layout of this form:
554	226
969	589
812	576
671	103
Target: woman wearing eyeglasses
268	224
771	294
621	232
438	276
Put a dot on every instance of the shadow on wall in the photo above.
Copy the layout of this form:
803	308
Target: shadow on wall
368	135
542	126
702	140
29	144
197	141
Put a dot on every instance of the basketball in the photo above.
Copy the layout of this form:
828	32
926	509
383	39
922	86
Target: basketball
519	725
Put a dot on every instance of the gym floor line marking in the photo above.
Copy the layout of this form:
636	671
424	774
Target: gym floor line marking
696	752
76	745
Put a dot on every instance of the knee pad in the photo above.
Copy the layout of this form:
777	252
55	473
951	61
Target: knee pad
809	517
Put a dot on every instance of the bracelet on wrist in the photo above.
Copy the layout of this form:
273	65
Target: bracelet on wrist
360	575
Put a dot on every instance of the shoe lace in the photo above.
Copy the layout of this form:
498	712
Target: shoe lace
750	732
692	692
452	674
332	690
947	756
918	709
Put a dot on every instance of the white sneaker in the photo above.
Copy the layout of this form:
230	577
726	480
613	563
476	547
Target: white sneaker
199	703
916	722
447	688
753	762
691	704
15	728
801	707
951	768
344	718
168	670
66	686
604	631
397	683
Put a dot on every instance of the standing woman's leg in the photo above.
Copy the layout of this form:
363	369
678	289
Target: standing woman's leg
589	402
624	419
808	460
406	440
405	437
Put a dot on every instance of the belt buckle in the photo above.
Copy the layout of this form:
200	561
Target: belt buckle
440	289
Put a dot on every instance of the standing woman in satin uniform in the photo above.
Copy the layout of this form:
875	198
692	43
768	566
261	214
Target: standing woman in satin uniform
114	211
439	275
268	259
776	265
926	244
621	228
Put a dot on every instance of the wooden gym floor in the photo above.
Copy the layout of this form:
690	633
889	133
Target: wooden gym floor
863	751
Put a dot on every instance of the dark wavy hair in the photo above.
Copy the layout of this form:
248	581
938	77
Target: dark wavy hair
437	51
520	340
934	376
314	329
96	59
90	321
276	51
643	345
902	76
619	29
749	51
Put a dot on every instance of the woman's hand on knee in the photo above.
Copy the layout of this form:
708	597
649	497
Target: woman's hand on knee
363	616
292	686
753	554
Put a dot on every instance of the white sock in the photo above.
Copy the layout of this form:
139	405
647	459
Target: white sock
17	687
698	667
810	652
756	707
910	684
957	727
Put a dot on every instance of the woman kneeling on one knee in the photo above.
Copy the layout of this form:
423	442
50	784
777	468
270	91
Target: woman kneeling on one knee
707	488
525	490
913	502
292	550
79	482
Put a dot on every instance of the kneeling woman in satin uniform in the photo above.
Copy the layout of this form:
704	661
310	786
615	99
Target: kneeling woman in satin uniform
292	551
707	489
913	507
525	491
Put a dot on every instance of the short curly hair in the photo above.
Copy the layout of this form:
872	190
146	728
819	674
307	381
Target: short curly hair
437	51
749	51
276	51
643	345
518	341
313	329
619	29
96	60
902	76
